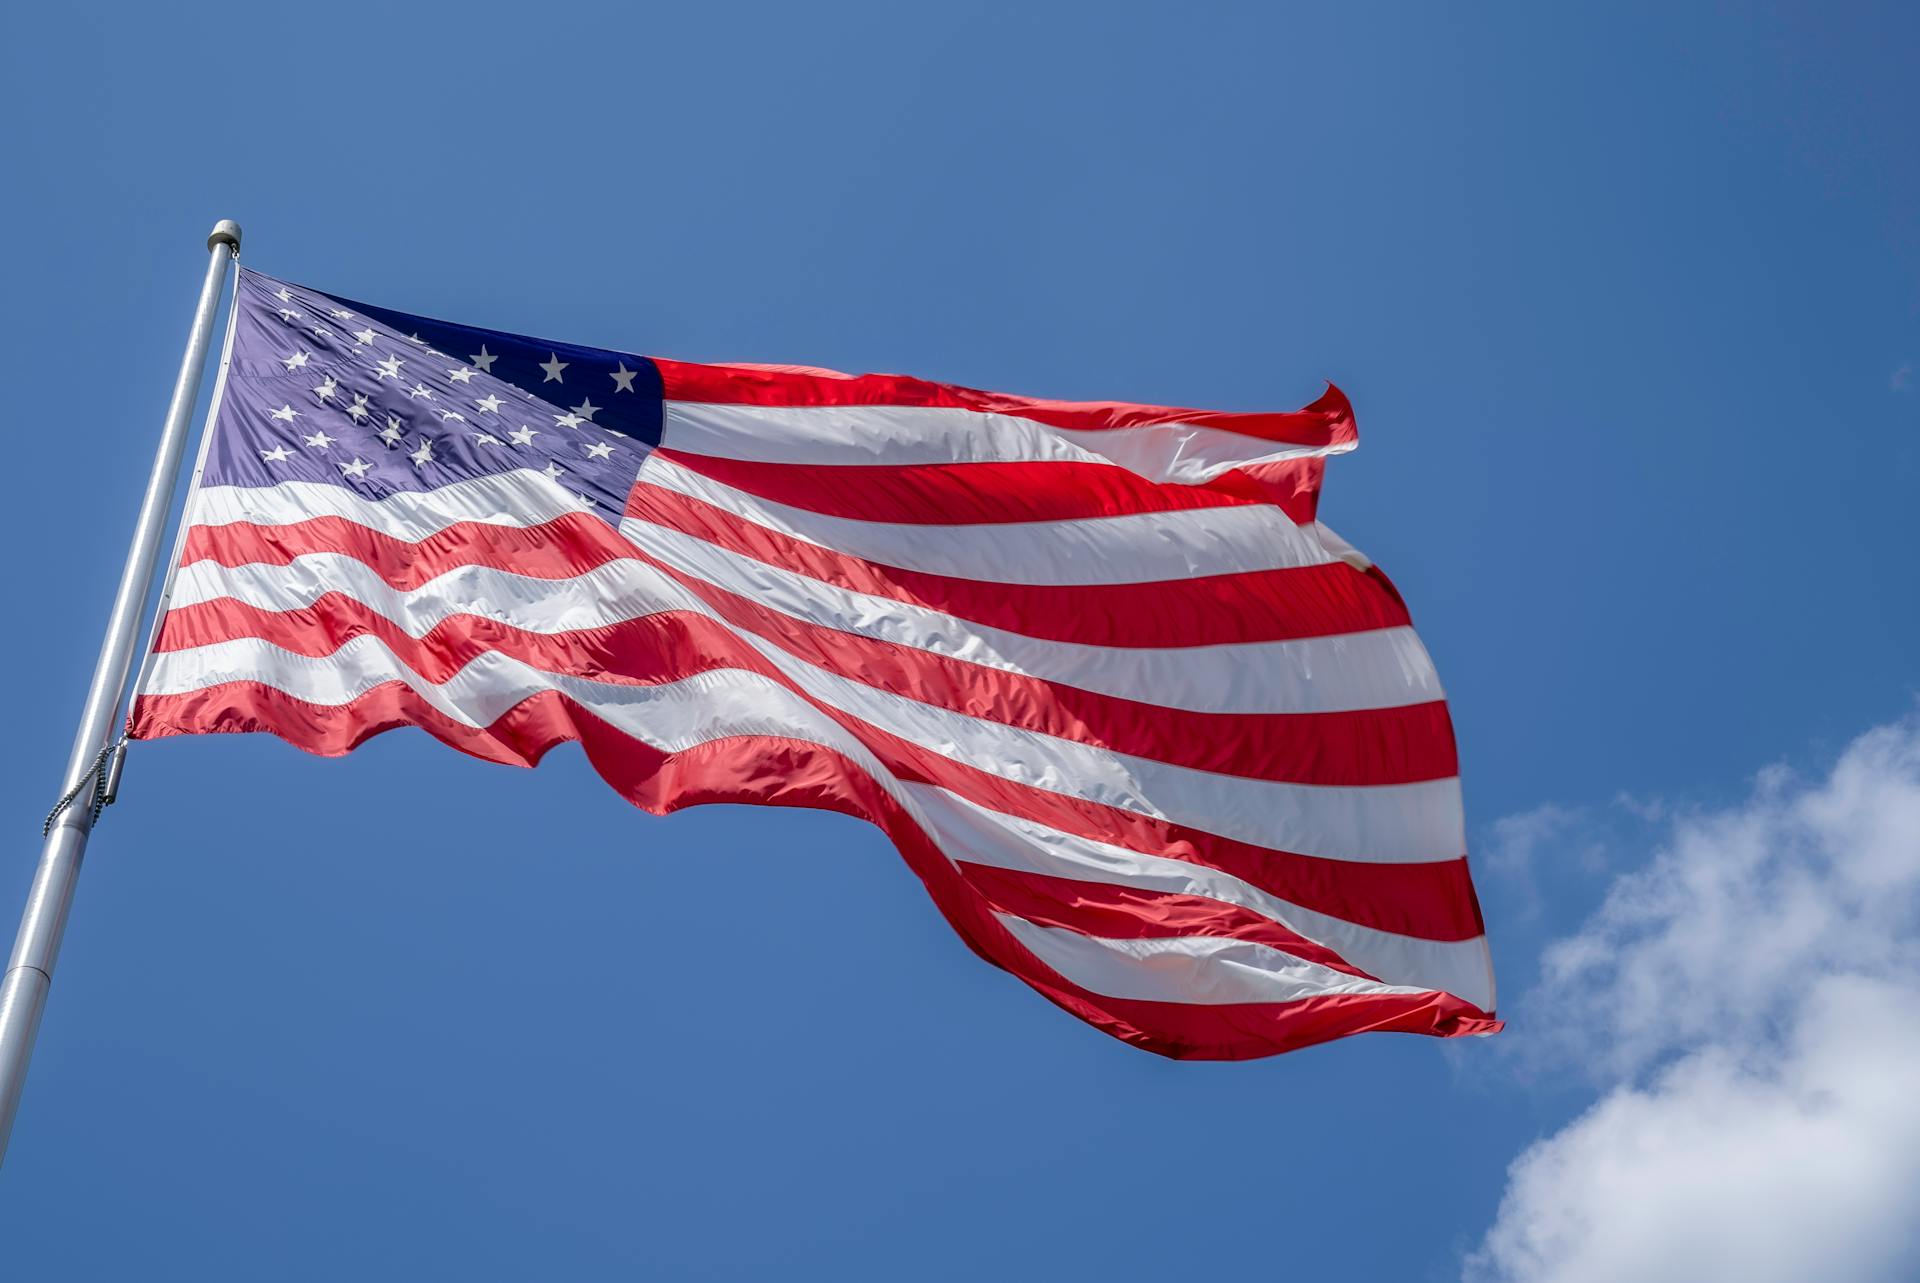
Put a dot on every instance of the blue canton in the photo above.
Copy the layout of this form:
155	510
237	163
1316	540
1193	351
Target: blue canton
330	390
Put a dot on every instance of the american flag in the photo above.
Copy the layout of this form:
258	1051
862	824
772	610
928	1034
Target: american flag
1156	740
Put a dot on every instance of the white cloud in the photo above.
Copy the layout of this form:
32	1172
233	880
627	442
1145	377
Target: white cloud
1751	999
1514	845
1515	840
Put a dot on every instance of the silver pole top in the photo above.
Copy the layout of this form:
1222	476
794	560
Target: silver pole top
225	232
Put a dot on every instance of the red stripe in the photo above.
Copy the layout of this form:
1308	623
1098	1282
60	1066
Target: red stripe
1399	745
1373	747
1328	421
1292	485
1117	912
1250	606
781	772
1428	900
567	546
1402	745
957	494
1246	1031
1433	900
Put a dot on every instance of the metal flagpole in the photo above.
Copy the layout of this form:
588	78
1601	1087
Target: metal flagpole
96	747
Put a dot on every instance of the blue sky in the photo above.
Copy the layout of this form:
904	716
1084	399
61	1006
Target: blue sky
1628	301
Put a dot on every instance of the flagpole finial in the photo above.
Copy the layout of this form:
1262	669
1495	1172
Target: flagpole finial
225	232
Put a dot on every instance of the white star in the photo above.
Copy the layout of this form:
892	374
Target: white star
485	360
391	433
389	368
320	440
491	404
286	414
295	361
356	469
523	435
461	375
327	389
276	454
364	337
586	409
450	414
599	450
553	365
321	332
622	378
420	390
568	420
415	338
358	410
585	501
284	294
486	438
424	455
339	315
289	315
554	471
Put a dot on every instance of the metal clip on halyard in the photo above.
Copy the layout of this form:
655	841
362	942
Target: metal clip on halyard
105	776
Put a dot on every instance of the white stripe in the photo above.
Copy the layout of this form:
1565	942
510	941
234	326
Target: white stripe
968	831
1135	548
1187	454
670	715
1392	823
1196	970
899	434
608	594
523	497
1340	548
1381	668
1386	823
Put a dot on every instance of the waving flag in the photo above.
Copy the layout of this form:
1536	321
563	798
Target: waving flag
1157	741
